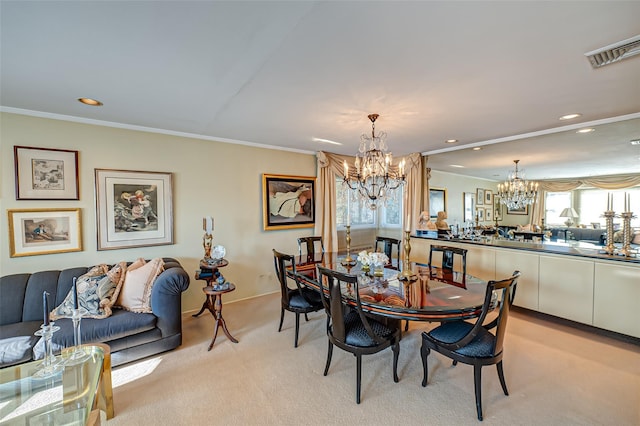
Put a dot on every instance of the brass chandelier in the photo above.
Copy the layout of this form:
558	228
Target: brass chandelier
374	175
517	192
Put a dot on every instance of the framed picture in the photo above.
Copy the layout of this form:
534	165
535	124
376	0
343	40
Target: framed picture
479	196
133	209
44	231
488	197
522	210
46	174
488	214
480	214
469	206
437	201
497	209
288	202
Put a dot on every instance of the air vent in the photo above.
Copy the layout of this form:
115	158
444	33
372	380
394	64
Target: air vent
614	52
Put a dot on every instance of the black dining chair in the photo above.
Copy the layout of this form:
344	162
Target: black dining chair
474	343
350	329
311	244
448	256
299	300
387	248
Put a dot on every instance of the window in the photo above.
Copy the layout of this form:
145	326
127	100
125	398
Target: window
387	214
555	203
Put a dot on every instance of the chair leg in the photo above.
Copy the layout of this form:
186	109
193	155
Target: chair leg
455	362
501	377
396	353
424	351
477	381
306	318
281	319
295	344
406	326
358	376
329	353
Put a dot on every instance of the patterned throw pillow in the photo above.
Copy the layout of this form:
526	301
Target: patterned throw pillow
135	295
97	292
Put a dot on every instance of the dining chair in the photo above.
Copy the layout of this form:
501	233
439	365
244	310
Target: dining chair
387	248
299	300
474	343
311	245
350	329
448	256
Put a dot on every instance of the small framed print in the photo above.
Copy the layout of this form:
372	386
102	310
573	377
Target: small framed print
44	231
480	214
46	174
488	197
488	214
479	196
133	208
437	201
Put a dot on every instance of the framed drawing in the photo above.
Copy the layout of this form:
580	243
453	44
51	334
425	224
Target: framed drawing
46	174
488	214
479	196
488	197
437	201
288	202
469	206
497	209
480	214
522	210
133	209
44	231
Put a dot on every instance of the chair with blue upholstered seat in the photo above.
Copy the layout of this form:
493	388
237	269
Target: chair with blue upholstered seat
299	300
350	329
474	343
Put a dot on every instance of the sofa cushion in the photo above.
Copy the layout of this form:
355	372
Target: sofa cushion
135	294
120	324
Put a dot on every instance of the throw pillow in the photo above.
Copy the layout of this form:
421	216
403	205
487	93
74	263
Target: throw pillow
135	295
95	291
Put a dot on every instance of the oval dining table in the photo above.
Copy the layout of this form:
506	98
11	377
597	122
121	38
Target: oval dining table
432	294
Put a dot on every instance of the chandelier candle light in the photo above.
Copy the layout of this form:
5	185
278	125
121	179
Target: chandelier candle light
517	192
374	175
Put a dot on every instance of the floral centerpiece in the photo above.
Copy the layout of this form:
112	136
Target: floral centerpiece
375	259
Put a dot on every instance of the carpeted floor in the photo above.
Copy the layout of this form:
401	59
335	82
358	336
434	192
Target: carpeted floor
556	375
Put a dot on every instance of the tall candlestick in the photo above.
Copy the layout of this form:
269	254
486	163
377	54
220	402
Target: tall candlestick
207	224
626	202
609	202
75	294
45	307
408	227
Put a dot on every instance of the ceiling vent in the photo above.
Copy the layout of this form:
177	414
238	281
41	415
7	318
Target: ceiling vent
614	52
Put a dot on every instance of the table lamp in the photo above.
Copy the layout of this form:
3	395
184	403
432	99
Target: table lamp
570	214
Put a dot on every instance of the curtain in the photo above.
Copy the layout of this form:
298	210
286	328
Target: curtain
413	195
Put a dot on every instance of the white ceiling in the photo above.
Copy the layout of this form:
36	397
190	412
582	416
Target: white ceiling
283	73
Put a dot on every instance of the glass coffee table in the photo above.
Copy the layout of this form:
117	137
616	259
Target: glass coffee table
67	397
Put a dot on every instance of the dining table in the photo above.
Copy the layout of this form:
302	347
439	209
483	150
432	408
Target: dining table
430	294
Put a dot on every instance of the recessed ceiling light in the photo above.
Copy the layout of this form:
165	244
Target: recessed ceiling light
458	166
477	148
588	130
451	140
326	141
635	142
89	101
570	116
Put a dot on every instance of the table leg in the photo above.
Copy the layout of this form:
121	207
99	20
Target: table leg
220	322
208	304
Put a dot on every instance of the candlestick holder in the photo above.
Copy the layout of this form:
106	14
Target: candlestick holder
78	355
49	364
207	241
407	273
626	233
348	260
609	215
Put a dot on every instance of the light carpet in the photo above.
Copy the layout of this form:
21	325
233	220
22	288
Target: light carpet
556	375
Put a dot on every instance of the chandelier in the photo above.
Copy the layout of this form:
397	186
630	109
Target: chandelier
517	192
374	175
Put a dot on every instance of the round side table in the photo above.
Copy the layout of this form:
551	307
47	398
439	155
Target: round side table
214	302
207	273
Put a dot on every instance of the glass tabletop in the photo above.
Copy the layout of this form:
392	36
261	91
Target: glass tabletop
63	398
433	294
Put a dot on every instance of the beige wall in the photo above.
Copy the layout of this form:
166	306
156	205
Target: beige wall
209	178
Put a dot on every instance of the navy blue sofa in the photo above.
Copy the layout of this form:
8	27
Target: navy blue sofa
130	335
